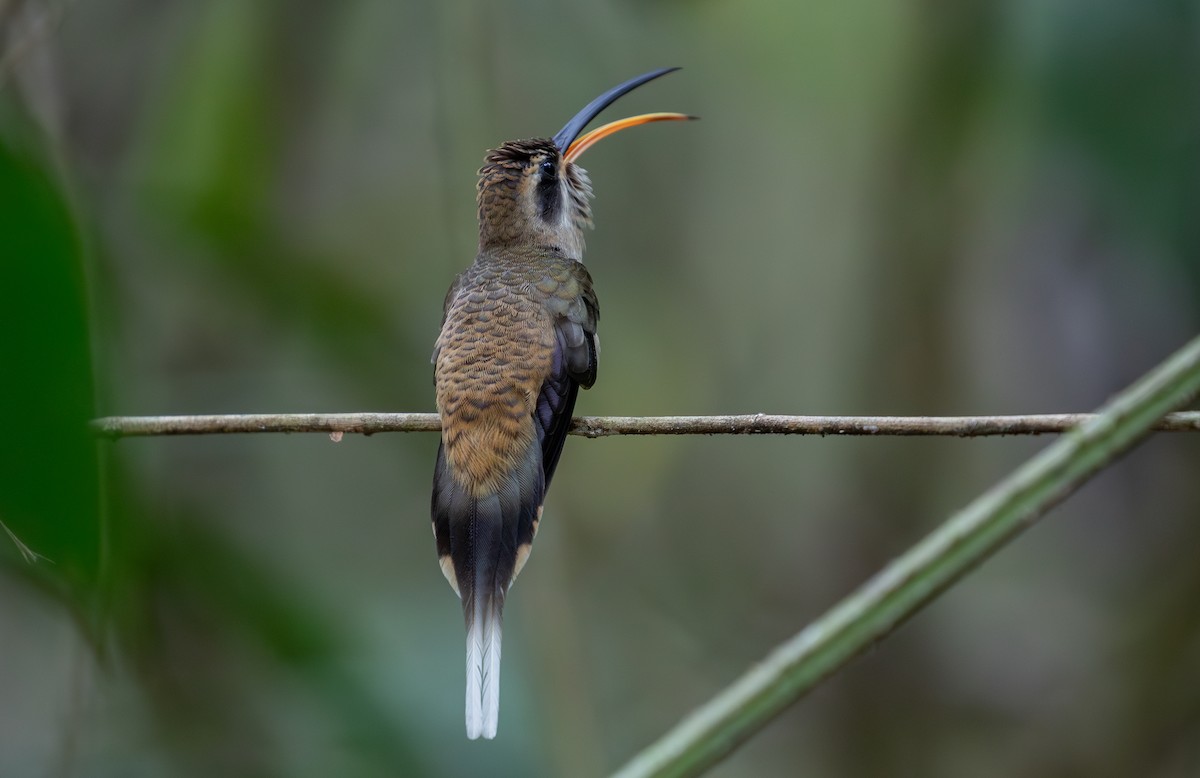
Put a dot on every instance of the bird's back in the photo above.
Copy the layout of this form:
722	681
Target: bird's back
515	326
493	354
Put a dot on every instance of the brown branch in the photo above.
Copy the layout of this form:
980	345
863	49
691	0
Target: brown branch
604	426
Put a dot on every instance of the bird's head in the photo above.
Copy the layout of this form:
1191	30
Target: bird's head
533	194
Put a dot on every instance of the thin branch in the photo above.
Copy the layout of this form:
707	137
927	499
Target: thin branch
605	426
910	582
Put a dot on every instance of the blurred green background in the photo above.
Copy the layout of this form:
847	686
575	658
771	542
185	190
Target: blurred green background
888	208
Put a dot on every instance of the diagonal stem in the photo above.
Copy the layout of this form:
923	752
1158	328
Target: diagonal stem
902	588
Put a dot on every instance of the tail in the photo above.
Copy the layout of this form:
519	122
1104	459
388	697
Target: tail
484	629
480	539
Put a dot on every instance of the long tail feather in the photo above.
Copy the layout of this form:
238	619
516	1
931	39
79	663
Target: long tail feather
484	631
489	570
480	539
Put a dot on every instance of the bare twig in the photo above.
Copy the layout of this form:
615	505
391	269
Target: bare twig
605	426
366	423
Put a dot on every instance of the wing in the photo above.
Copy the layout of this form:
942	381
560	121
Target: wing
574	365
450	294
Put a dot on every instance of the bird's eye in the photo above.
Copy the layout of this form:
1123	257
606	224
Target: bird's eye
549	168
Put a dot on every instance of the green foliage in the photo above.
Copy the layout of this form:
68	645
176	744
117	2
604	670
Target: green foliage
49	468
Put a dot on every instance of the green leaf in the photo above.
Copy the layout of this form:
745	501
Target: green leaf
49	480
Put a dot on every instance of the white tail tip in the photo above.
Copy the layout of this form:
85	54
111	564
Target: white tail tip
483	676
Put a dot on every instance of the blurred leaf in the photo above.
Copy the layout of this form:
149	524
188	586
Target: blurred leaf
209	144
209	628
1122	89
209	167
49	486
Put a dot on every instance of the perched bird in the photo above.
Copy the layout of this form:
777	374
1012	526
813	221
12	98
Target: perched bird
518	339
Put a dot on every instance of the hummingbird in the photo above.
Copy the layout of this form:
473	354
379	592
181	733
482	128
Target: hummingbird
518	340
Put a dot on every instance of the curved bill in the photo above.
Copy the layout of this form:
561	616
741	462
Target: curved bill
585	142
566	136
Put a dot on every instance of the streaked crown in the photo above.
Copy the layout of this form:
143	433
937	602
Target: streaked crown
530	196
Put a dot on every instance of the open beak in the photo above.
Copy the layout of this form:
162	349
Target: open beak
572	144
585	142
